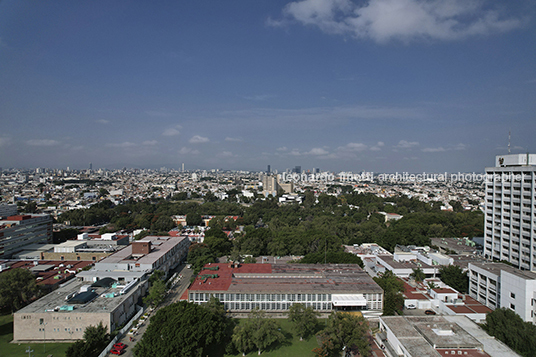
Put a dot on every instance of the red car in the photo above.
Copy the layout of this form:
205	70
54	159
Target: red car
119	346
116	351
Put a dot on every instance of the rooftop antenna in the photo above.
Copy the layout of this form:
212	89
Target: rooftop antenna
508	142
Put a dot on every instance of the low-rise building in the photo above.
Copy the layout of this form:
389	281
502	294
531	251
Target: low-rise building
64	314
275	287
140	258
500	285
417	336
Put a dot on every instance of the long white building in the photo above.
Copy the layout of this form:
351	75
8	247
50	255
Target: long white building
499	285
510	226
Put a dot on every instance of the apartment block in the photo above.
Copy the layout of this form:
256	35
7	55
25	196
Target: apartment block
510	225
18	231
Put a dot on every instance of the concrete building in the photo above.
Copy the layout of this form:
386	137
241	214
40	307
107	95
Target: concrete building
275	287
269	185
499	285
16	232
418	336
510	226
7	210
140	258
65	313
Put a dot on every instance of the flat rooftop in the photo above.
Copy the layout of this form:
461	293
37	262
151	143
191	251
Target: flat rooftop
285	278
159	247
496	269
99	304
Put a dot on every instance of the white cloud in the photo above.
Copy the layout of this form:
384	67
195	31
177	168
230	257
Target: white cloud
354	147
403	144
406	20
126	144
282	148
196	139
102	121
318	151
438	149
295	152
225	154
233	139
378	146
150	142
173	131
42	142
460	146
185	151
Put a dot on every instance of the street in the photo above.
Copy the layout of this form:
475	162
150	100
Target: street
173	296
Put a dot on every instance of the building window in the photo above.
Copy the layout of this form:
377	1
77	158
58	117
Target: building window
512	295
41	321
513	307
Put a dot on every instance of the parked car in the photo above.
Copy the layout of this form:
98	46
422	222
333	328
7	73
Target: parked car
411	307
119	346
430	312
116	351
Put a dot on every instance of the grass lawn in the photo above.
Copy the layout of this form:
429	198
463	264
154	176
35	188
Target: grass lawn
291	346
16	350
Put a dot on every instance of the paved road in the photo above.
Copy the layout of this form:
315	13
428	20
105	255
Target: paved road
173	296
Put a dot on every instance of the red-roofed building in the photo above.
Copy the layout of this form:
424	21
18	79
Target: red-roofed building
16	232
275	287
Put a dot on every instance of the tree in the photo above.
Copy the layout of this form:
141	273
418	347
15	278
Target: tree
265	330
257	331
344	332
17	287
393	287
508	327
304	319
156	293
184	329
95	340
200	254
418	275
455	277
194	219
218	242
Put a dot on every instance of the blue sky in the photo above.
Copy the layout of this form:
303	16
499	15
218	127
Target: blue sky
377	85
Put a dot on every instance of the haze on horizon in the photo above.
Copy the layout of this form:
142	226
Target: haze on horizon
377	85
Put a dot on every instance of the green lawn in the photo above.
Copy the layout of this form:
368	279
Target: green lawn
291	346
8	349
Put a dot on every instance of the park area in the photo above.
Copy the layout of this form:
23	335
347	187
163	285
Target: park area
291	346
20	350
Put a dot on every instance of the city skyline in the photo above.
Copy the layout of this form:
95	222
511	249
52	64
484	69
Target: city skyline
381	86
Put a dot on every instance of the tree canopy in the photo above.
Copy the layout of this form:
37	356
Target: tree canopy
17	288
393	301
95	340
343	332
305	319
455	277
184	329
257	331
508	327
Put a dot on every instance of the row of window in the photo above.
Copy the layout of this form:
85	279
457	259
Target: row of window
202	297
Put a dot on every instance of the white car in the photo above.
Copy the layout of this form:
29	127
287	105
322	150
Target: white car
411	307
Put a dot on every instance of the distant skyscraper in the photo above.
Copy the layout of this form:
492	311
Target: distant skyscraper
183	167
268	170
297	169
90	166
510	226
